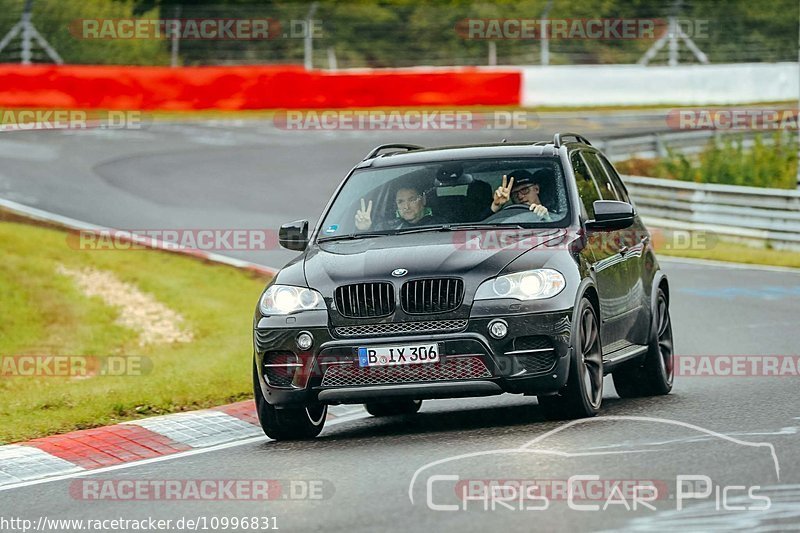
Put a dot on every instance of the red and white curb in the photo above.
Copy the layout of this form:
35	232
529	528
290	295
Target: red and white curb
135	441
144	440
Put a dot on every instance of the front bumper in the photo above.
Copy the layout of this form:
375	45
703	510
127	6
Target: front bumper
533	358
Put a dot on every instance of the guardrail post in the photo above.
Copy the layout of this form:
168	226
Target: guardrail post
661	148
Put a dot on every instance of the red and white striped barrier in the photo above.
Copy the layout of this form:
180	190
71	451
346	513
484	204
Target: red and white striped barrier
292	87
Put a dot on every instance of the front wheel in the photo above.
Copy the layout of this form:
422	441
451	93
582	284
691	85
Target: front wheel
295	423
582	395
401	407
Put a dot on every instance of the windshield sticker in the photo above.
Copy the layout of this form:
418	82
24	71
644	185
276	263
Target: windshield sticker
332	228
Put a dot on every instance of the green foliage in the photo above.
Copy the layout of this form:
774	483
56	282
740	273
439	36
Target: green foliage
727	160
58	21
398	33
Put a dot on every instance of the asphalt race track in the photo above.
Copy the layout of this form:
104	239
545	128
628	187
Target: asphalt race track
390	474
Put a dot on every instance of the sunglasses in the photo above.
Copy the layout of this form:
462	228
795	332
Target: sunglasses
522	191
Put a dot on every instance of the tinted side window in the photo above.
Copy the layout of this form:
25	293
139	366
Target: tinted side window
616	181
586	186
607	190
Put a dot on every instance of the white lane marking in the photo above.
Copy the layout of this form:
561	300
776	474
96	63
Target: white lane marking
180	455
725	264
24	463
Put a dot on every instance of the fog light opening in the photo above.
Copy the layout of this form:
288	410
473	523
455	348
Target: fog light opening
304	340
498	329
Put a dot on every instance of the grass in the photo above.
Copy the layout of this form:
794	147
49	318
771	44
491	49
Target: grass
738	253
42	313
770	162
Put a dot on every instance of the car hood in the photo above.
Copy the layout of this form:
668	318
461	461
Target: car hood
471	254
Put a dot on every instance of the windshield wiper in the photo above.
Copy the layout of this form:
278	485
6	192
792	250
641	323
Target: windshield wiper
468	226
352	236
454	227
424	229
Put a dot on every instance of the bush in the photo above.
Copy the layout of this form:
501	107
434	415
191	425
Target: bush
726	160
59	22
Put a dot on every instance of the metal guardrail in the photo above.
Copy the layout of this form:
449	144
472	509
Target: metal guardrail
688	142
753	215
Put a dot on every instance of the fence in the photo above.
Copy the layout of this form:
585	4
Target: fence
403	34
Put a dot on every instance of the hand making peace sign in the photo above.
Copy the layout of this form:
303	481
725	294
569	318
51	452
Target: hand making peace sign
363	217
503	194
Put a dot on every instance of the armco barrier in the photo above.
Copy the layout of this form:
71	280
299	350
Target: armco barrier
750	214
657	144
251	87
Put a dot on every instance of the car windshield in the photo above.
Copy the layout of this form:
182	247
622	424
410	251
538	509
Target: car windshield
528	192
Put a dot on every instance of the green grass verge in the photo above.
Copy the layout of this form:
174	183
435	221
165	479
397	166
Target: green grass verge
739	253
42	312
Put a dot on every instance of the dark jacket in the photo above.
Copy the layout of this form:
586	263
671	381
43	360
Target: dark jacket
400	223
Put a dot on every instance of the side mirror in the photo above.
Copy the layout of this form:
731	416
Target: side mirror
294	235
610	215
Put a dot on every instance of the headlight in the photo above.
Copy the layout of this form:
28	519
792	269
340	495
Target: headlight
528	285
286	299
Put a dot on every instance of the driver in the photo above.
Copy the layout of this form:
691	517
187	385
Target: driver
411	211
522	187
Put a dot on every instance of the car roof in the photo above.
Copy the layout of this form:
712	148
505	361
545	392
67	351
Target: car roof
473	151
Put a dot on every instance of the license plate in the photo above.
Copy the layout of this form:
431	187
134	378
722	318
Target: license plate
398	355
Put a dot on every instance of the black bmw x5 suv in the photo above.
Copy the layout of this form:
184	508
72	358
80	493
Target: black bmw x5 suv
464	271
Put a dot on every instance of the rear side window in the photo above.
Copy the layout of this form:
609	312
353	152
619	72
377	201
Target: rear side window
586	186
616	181
607	190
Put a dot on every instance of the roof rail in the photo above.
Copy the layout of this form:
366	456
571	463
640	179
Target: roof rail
408	147
580	138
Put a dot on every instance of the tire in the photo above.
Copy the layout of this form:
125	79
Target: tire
296	423
582	396
399	407
655	373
